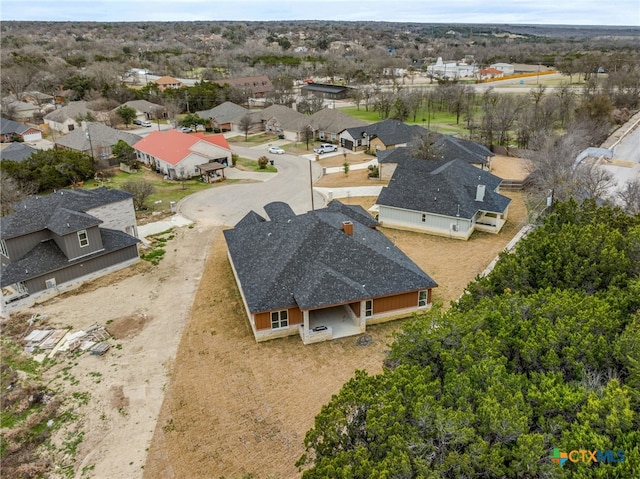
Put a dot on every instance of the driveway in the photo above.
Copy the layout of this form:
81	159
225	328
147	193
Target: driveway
229	203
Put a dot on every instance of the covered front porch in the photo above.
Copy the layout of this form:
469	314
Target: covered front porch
330	323
491	222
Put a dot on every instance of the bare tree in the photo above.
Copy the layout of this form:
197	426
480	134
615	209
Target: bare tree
141	190
11	191
245	126
629	195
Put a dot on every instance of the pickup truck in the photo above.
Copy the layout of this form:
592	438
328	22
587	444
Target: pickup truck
325	148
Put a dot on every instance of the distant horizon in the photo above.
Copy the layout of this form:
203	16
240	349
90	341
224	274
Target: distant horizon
586	13
546	25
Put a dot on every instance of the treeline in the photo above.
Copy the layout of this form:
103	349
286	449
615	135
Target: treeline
542	354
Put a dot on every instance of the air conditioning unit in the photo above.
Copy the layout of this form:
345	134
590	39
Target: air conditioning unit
50	283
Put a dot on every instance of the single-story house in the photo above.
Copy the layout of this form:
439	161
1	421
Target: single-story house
442	147
280	120
145	110
179	155
50	242
165	82
489	73
326	91
96	140
17	152
67	118
255	86
328	123
11	130
383	135
224	117
323	274
448	198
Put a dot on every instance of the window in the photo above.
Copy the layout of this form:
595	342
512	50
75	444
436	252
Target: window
279	319
422	298
3	249
368	308
83	238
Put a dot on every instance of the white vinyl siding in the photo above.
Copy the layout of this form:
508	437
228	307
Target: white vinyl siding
422	220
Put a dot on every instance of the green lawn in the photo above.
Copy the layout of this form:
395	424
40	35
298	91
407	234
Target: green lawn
440	122
259	138
252	165
164	190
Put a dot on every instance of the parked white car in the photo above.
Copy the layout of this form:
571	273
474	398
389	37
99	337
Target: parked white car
276	150
325	148
185	129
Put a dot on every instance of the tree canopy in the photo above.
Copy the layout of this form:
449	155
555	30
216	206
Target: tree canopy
542	353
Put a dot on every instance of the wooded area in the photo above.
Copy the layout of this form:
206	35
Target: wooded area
542	353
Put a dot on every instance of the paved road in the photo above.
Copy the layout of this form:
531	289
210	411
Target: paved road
229	203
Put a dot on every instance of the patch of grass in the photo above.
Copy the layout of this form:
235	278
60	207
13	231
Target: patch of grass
257	138
154	256
252	165
164	190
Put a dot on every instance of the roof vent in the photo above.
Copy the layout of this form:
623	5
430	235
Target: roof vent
347	227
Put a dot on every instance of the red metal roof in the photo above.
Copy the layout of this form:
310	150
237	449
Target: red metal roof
174	146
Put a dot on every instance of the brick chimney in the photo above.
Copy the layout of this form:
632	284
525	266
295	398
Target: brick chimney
347	227
480	193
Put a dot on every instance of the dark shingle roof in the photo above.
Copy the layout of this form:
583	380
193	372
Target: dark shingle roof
390	132
47	257
35	213
443	187
308	261
17	152
444	147
8	127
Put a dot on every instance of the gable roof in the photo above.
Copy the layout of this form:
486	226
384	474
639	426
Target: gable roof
7	127
288	118
143	106
48	257
101	135
308	261
390	132
17	152
445	147
332	120
71	111
446	188
224	113
173	146
257	84
39	212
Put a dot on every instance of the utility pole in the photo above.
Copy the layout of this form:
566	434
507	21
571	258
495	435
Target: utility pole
311	185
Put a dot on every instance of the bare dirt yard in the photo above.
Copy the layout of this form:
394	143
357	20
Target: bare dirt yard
186	392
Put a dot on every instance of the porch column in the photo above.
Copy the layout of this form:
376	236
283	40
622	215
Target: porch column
305	330
362	318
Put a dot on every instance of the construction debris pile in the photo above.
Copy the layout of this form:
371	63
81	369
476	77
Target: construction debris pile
46	343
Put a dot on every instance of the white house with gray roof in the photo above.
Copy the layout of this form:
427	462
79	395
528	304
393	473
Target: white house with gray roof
52	242
323	274
443	197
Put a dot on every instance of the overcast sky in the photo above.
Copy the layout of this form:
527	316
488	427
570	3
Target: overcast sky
568	12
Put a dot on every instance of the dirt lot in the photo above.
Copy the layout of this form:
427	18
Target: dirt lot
231	406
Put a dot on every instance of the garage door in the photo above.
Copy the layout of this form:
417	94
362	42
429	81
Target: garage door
32	136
